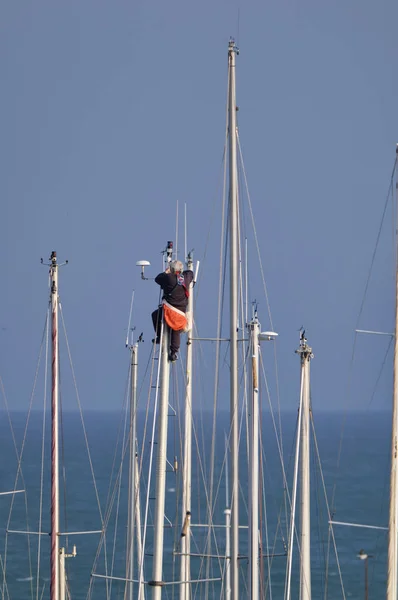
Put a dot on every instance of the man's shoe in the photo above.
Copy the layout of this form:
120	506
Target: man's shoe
173	356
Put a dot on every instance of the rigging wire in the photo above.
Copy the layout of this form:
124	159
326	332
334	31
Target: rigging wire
42	454
108	513
383	364
212	219
267	300
265	520
119	487
81	413
4	574
3	393
174	405
245	349
110	496
327	505
353	352
285	483
201	466
292	531
218	347
276	432
319	510
83	425
141	566
209	507
379	550
113	491
389	193
20	456
62	460
178	486
255	232
129	321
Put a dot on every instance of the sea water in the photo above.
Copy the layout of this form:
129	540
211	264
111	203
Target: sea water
353	473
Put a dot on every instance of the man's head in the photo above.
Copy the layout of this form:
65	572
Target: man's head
176	266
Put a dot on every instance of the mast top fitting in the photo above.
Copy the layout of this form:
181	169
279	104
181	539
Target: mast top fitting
232	47
304	349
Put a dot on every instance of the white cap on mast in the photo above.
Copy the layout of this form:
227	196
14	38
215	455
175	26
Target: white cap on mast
267	336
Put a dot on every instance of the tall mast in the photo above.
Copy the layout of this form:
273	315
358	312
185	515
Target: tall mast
141	590
132	469
392	575
161	462
227	513
305	353
185	572
254	328
54	560
161	471
233	242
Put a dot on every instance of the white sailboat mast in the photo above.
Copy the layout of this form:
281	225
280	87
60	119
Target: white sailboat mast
233	242
141	589
54	559
185	573
305	353
254	327
132	469
392	575
161	465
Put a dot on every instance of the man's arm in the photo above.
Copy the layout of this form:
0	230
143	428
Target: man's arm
160	279
188	277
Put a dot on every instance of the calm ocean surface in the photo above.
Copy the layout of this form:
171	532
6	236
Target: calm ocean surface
360	484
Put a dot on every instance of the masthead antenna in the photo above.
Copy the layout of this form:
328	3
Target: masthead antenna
176	246
128	340
143	264
185	229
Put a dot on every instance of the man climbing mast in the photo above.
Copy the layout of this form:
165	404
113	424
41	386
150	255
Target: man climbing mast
175	285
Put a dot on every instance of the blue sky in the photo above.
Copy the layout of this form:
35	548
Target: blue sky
113	111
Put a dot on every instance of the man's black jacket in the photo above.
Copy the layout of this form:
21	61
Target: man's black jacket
173	293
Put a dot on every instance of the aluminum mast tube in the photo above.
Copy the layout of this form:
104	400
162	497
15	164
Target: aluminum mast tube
132	469
393	514
254	328
233	253
305	353
185	572
55	559
157	567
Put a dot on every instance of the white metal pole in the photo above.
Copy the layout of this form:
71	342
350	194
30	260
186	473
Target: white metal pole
233	241
62	575
305	353
392	575
132	467
141	588
185	572
227	578
254	328
227	513
54	561
294	499
157	566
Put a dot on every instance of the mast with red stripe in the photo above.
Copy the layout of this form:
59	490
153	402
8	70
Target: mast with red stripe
54	561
